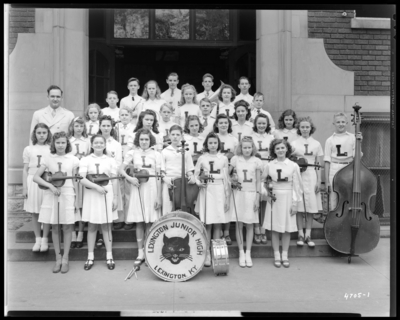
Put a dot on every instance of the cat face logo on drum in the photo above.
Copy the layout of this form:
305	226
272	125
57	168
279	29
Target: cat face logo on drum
176	249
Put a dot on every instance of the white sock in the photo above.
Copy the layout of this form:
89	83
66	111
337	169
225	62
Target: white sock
277	255
241	252
45	240
73	236
248	253
91	256
284	255
80	236
109	255
141	253
38	240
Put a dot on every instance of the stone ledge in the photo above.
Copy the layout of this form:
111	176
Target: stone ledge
370	23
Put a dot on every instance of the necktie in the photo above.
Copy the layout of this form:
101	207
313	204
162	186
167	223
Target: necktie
133	99
205	123
53	113
172	92
258	111
207	93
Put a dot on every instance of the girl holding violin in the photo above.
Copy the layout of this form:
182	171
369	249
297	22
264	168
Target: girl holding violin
171	166
113	150
310	149
241	127
214	196
101	201
32	156
192	130
287	189
58	206
223	129
287	126
145	199
148	120
262	138
80	148
246	169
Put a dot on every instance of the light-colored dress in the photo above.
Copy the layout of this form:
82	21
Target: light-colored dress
262	142
171	164
255	112
229	109
142	199
49	210
211	200
288	189
163	127
153	105
195	144
113	113
244	199
228	143
290	135
309	149
92	128
33	156
239	131
188	110
97	208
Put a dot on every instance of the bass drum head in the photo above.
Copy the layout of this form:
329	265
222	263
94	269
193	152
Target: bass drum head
175	248
220	257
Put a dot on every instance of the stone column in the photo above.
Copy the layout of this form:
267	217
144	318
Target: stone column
273	58
57	53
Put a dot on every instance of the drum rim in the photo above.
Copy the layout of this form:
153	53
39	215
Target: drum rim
218	242
205	241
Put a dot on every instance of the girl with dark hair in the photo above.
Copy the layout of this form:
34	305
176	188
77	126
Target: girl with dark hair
287	126
280	217
148	120
59	160
192	130
225	104
214	196
241	127
32	157
145	200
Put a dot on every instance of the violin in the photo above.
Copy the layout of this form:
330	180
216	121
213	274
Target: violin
303	163
57	179
205	177
184	193
352	228
235	184
101	179
269	188
166	139
142	175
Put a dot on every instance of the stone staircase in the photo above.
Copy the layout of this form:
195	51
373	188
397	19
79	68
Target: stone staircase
20	242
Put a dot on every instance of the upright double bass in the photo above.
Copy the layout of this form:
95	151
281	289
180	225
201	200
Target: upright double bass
352	228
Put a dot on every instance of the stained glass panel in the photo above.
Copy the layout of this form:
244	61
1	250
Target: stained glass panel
172	24
212	25
131	23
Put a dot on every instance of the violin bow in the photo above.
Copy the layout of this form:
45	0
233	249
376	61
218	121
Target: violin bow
237	220
58	222
273	199
108	224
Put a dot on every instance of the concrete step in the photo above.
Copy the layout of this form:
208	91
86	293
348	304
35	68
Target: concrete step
26	235
128	251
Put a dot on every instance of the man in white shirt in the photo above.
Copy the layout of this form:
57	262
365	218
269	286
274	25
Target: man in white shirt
133	100
207	85
54	116
244	86
173	95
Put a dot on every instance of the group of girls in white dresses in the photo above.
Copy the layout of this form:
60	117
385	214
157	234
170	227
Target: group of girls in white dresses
243	157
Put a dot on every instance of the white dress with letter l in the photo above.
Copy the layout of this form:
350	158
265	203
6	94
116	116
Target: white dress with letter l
244	199
94	207
142	200
48	211
288	189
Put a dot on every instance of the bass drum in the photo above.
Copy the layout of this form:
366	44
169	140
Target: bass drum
176	246
220	257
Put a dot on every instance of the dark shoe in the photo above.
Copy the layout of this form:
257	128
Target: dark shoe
277	263
257	238
300	242
264	239
88	264
138	262
57	266
118	225
228	240
79	244
73	244
286	263
128	226
309	242
110	264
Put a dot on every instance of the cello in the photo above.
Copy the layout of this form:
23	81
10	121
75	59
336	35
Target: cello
184	193
352	228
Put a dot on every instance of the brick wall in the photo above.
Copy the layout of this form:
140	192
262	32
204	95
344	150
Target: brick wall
21	21
364	51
